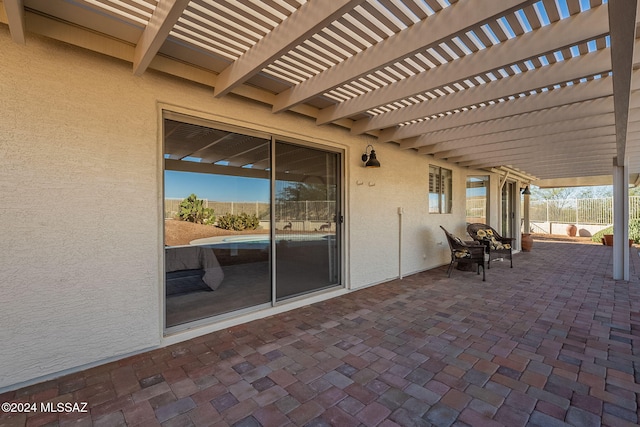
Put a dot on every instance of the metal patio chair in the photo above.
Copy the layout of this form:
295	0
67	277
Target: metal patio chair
464	253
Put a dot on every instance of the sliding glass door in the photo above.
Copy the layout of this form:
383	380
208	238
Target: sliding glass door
307	220
249	220
217	213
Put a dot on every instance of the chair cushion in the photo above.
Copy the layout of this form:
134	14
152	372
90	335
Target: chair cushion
462	253
488	236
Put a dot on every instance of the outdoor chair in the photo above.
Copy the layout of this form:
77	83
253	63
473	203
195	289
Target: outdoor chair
464	253
496	245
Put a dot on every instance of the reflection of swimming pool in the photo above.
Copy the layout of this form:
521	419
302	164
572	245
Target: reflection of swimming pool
265	239
256	240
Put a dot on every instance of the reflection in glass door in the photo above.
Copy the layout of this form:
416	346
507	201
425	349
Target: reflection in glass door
217	216
307	220
508	208
248	221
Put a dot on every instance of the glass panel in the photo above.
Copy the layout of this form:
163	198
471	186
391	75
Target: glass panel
306	213
440	190
477	199
447	190
508	191
217	242
434	189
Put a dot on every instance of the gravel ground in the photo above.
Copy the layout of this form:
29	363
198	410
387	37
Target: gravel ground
182	232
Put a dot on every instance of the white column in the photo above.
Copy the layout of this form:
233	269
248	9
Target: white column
526	224
620	221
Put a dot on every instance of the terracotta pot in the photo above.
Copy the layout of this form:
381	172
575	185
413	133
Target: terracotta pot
607	239
527	242
572	230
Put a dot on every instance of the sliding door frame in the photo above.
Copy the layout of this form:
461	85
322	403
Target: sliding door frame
174	113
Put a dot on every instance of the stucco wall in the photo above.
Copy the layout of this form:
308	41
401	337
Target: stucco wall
80	218
375	229
79	268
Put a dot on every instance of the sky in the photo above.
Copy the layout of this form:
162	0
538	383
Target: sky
222	188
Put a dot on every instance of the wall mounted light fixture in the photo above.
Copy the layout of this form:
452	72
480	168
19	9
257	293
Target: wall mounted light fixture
369	157
526	191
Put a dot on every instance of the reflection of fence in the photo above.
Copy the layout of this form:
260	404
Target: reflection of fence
309	210
476	207
260	209
579	211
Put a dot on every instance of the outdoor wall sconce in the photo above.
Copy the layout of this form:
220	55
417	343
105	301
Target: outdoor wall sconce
370	158
526	191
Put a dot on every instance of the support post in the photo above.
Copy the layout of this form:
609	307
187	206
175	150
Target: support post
525	215
620	221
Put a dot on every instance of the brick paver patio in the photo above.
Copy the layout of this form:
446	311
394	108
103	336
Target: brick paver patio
547	343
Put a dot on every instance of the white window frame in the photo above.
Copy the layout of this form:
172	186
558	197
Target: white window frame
442	187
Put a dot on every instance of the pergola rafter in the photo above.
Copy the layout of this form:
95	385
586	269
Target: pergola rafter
16	19
451	21
443	78
544	40
560	72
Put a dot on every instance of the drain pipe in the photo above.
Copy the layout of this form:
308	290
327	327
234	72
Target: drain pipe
400	212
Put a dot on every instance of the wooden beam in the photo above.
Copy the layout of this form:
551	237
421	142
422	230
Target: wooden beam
536	151
567	32
602	123
558	97
164	17
539	121
539	155
622	21
16	19
445	24
522	143
304	22
560	72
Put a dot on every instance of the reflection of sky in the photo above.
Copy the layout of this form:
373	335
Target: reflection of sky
476	192
223	188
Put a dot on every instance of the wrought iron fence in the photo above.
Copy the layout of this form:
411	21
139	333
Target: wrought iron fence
310	210
260	209
579	211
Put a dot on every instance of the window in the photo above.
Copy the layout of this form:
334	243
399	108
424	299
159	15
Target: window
440	189
477	198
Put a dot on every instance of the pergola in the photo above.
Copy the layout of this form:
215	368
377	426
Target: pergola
544	89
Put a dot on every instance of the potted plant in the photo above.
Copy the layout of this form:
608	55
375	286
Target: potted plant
605	236
526	242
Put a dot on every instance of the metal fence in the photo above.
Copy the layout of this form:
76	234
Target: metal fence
579	211
476	207
260	209
310	210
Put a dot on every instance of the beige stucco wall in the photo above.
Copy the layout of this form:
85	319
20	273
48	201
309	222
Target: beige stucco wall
81	191
78	176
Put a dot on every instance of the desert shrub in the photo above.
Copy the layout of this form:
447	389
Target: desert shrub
597	237
634	232
192	210
238	222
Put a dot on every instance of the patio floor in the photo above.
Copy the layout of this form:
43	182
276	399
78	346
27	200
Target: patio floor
550	342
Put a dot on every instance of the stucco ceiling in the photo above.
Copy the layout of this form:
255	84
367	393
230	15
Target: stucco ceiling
548	88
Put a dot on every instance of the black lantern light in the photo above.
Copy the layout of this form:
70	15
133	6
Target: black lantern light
369	157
